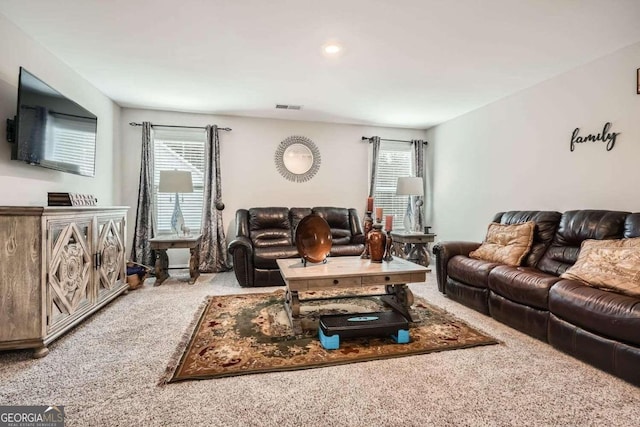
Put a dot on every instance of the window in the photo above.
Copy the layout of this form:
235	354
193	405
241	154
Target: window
179	149
394	161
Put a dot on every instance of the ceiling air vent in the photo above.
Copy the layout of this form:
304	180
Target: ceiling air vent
288	107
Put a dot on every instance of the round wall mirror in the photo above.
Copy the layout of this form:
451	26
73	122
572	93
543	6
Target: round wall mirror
297	159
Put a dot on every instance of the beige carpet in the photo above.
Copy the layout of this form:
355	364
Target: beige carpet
105	373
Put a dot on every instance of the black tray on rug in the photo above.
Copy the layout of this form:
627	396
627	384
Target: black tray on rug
363	324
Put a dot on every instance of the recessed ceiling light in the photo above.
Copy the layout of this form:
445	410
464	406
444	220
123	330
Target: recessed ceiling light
332	48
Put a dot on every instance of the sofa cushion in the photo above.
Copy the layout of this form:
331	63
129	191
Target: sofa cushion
574	228
507	244
338	220
269	218
524	285
546	226
296	215
473	272
612	265
266	257
270	237
606	313
355	249
270	227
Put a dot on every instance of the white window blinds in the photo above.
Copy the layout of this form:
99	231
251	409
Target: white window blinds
394	161
179	149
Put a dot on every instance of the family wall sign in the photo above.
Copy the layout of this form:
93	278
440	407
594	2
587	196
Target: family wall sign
606	137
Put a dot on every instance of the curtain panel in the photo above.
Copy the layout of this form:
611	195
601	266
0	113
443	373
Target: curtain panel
375	146
144	228
418	167
213	249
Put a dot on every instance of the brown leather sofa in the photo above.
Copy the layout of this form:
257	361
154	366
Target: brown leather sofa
597	326
266	234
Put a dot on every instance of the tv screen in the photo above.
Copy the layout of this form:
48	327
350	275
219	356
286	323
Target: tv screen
51	130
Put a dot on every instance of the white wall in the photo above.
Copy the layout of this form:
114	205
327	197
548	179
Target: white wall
514	154
249	175
22	184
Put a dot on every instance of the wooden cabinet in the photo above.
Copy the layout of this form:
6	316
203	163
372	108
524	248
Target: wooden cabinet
58	265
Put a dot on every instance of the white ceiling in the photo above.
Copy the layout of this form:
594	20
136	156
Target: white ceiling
406	63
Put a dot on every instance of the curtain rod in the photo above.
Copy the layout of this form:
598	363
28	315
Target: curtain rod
364	138
174	126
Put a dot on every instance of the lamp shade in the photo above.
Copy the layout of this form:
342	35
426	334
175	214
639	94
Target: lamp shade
410	186
175	181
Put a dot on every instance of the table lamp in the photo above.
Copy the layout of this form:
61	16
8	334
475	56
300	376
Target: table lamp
175	181
411	186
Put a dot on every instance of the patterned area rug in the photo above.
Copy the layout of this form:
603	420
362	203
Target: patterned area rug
250	333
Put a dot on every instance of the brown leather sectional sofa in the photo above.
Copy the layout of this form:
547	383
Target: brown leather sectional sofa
597	326
266	234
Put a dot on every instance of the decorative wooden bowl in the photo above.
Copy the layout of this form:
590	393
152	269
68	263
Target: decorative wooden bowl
313	238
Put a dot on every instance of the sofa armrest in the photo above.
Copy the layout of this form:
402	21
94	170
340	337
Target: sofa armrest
443	252
241	250
242	223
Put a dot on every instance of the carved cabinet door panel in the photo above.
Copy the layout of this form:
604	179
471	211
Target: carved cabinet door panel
69	288
111	255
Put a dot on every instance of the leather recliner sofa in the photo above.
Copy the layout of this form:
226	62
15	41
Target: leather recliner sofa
597	326
265	234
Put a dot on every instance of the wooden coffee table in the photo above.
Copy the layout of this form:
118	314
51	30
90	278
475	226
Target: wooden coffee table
350	272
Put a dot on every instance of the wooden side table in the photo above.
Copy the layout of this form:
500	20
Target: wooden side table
160	244
412	246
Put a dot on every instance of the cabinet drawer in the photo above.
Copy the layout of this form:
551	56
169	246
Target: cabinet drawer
344	282
383	279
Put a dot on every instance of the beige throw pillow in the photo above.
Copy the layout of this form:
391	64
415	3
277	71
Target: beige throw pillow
507	244
612	265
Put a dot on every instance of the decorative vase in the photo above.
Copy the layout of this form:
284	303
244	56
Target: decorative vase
377	243
368	225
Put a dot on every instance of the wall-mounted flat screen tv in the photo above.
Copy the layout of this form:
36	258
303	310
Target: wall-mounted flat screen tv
51	130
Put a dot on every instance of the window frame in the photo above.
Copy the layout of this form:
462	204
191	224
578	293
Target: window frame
166	145
386	179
